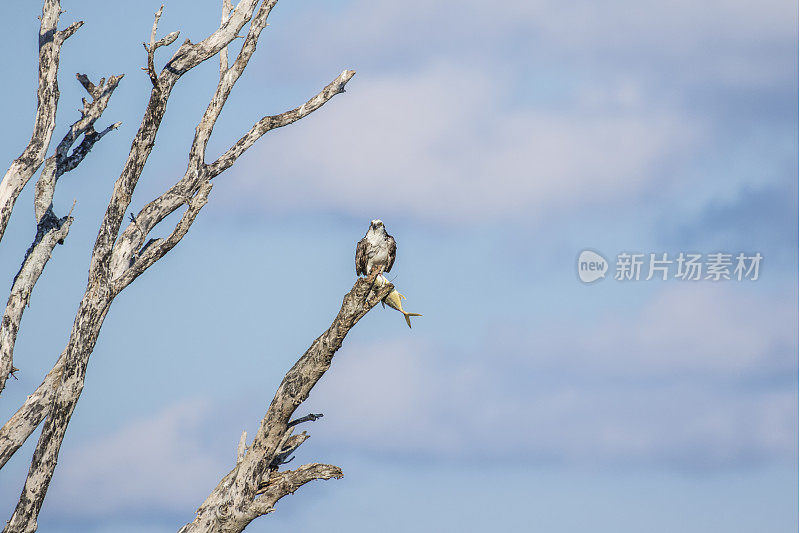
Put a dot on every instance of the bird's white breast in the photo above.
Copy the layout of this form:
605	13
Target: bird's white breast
378	250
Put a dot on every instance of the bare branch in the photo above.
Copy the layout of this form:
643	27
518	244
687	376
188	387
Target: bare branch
226	84
223	55
242	448
23	168
89	318
308	418
87	84
256	467
160	247
61	161
51	230
185	58
287	447
278	121
168	39
155	25
189	55
134	235
151	50
82	150
284	483
233	503
28	417
99	292
65	34
155	45
158	209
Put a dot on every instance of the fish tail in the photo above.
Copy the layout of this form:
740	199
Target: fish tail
408	317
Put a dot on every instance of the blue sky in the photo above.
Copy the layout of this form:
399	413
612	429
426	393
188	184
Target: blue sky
496	143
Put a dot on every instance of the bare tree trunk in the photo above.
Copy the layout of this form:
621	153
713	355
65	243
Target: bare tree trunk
254	485
88	321
121	255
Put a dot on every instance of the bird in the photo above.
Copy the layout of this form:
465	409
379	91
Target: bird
376	250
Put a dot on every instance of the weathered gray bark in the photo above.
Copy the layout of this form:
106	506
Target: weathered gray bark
89	319
118	258
19	427
23	168
50	229
254	485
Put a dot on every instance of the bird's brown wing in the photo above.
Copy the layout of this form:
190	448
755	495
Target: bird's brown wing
392	252
361	257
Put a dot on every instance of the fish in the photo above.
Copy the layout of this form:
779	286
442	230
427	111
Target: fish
394	300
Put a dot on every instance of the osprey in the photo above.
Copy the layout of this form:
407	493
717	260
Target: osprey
376	250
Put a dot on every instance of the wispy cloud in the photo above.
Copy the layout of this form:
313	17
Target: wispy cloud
465	112
155	464
440	144
694	378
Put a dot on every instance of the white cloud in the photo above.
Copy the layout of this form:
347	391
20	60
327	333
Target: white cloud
702	329
735	42
442	144
694	377
688	380
575	21
159	464
463	111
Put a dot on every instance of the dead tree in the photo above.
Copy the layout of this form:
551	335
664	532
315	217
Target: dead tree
120	255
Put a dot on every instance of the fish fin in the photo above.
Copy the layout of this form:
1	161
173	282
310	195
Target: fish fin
408	317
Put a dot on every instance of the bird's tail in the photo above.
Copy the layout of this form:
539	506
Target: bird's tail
408	317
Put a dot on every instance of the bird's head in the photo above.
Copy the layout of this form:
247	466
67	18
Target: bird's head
376	225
